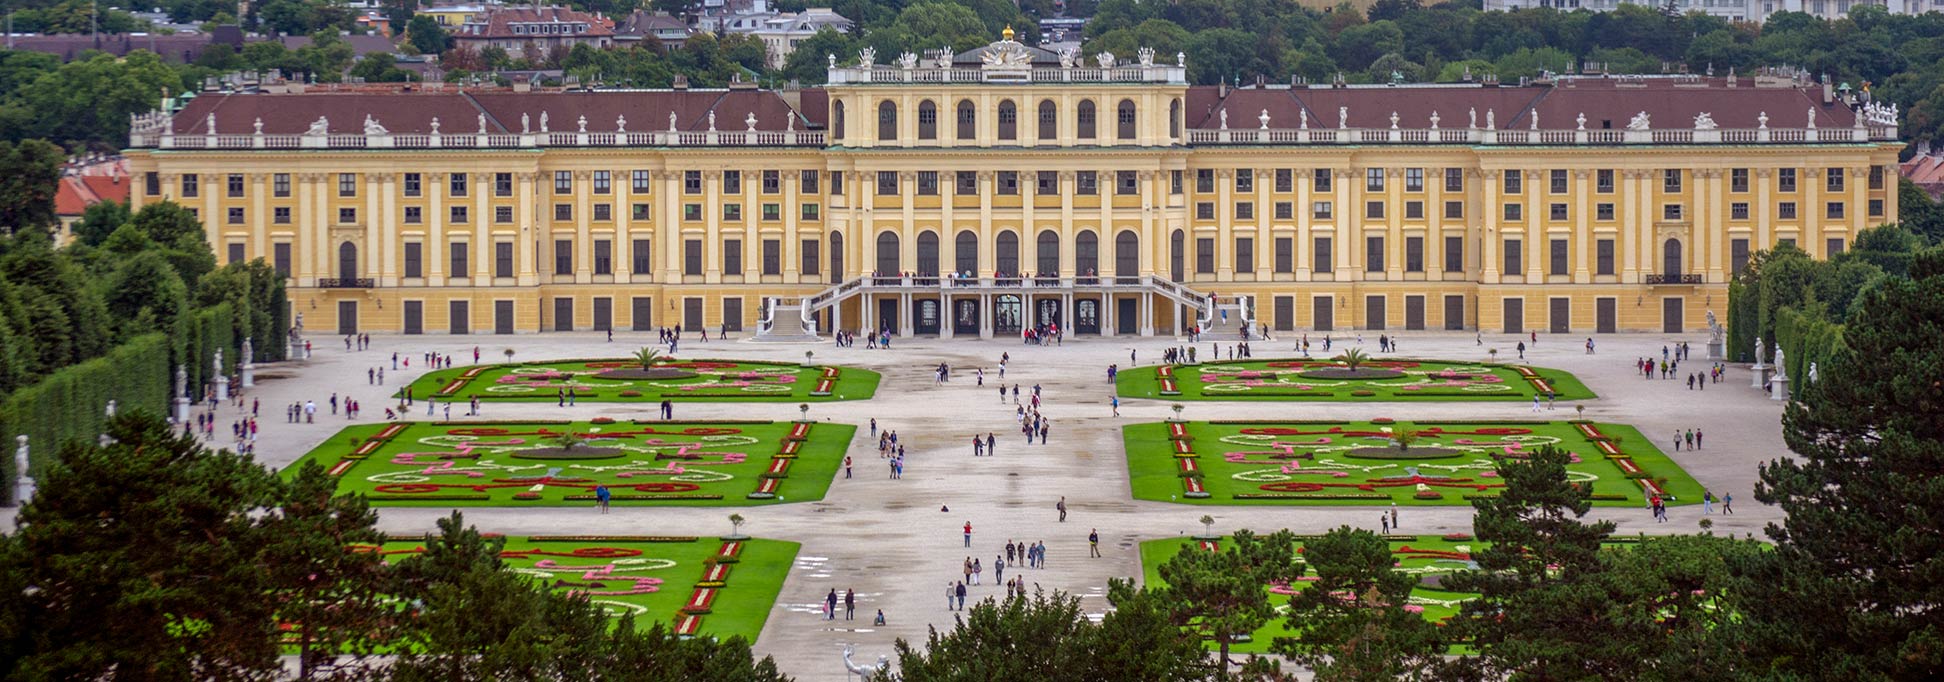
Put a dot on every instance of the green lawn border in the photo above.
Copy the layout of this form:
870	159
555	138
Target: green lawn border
1144	382
852	383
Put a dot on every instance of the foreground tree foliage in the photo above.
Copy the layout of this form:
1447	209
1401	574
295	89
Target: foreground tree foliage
154	558
1048	637
1221	596
1351	623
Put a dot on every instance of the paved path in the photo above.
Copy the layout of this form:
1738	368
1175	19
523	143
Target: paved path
888	540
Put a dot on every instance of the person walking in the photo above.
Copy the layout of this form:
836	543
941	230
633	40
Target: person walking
601	497
1116	404
830	605
949	594
968	533
1707	502
1062	507
1093	542
847	466
850	604
1728	503
961	596
1393	515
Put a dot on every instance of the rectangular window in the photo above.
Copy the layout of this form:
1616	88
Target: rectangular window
603	257
836	183
807	181
459	215
414	215
280	258
639	212
1454	254
280	185
1876	177
1785	180
732	182
563	182
812	260
280	215
772	256
1320	260
1833	210
347	184
1285	180
1514	212
691	182
1373	254
1603	257
1046	182
691	211
1514	182
1557	182
1738	210
772	212
1414	254
1205	180
772	181
1373	209
1603	181
1833	180
1323	180
1285	210
691	256
414	185
1414	210
1785	210
1245	210
1670	212
642	252
152	183
1557	211
603	182
1321	209
1454	210
1373	179
563	212
732	256
347	215
235	185
1603	212
1737	255
1514	257
732	211
236	216
1126	183
641	181
927	183
1876	208
502	184
414	260
1671	180
1559	260
1008	183
965	183
502	259
457	253
1737	179
563	253
456	184
1454	179
191	185
1832	246
1244	180
1413	179
887	183
1086	183
1244	254
603	212
1205	255
1285	254
1174	182
1204	210
502	214
809	211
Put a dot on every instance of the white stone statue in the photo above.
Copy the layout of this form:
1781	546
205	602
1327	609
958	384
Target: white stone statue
1264	118
1491	119
1145	56
218	363
321	126
1714	329
482	124
1068	57
1434	119
1781	367
621	124
750	121
1581	121
371	126
1535	119
864	671
582	123
1224	115
712	120
1343	117
867	57
1472	118
182	382
671	121
1393	120
789	123
1758	351
435	125
831	59
1305	118
1105	60
1812	372
1704	121
543	120
1181	59
248	356
110	409
908	61
526	123
209	124
1640	122
23	481
256	127
1812	118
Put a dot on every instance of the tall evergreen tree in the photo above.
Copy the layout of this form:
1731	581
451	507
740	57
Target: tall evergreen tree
1352	624
1223	595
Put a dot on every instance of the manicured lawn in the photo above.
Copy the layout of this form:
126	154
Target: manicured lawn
617	380
1353	463
1297	379
510	464
655	578
1427	556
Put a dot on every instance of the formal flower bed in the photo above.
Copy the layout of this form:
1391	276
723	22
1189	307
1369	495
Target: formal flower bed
1319	379
1386	460
650	577
626	380
562	464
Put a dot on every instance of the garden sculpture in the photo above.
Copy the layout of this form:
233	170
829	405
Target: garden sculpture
864	671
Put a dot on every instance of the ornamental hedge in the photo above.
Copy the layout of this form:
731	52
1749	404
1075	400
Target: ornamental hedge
69	404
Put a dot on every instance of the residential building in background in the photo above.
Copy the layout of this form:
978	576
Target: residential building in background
640	25
1732	10
526	32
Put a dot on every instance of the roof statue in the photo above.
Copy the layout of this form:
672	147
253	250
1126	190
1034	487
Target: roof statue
867	57
1472	118
1145	55
435	125
1006	35
1704	121
832	59
1535	119
1181	59
712	120
1006	54
1264	118
1305	114
750	121
1762	121
1105	60
789	123
257	127
1641	121
209	124
482	124
526	123
1068	57
1581	120
1224	115
582	123
1491	118
319	127
671	121
1393	120
1434	119
1812	118
543	120
908	61
1343	117
621	124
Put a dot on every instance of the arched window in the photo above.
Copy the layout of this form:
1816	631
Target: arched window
1124	118
928	253
887	254
1127	254
837	120
1008	120
968	120
1086	254
836	256
1177	252
1049	120
348	261
965	252
927	120
1049	252
1009	253
1085	119
887	120
1671	257
1174	119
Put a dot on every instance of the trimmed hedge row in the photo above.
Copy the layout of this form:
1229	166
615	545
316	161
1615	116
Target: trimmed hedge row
69	404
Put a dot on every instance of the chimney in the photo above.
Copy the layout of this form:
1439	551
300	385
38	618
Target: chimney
681	82
1221	89
1829	92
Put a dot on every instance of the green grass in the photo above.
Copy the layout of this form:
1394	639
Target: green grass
507	464
715	381
1437	604
1325	448
741	606
1280	379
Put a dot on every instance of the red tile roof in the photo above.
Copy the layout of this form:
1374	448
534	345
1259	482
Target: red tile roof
77	192
1926	172
498	23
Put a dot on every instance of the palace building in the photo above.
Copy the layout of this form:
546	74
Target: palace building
983	192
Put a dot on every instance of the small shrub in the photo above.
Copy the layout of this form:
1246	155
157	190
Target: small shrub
630	393
602	420
526	496
1428	495
1380	420
1363	394
1458	537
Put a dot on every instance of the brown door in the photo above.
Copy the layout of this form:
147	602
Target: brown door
1671	310
1514	316
1323	313
1414	312
1454	318
1560	316
1606	315
1373	312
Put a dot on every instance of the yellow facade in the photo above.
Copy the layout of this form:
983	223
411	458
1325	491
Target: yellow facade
1499	233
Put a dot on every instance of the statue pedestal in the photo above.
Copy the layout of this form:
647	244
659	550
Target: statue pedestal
181	410
222	387
1716	351
249	374
1779	387
1759	370
23	490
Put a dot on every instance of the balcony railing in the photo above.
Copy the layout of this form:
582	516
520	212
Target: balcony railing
1690	278
345	283
156	135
